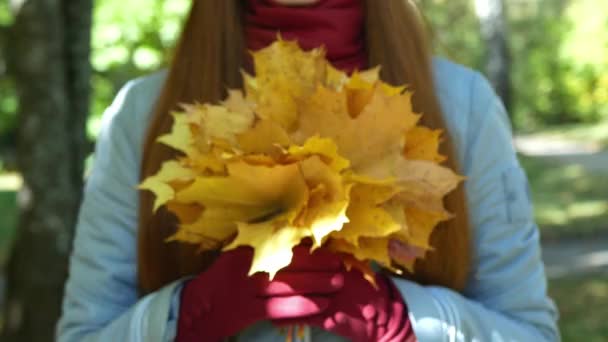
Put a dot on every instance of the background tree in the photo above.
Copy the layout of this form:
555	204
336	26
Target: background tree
48	60
493	19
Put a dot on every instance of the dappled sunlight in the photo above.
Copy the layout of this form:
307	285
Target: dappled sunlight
587	209
580	138
551	214
574	171
10	181
597	288
560	214
569	199
596	133
543	145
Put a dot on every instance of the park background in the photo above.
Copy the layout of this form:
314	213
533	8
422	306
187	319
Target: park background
62	62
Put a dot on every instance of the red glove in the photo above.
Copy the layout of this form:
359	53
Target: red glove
223	300
362	313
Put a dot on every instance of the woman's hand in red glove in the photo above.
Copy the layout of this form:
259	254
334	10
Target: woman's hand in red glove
363	313
224	300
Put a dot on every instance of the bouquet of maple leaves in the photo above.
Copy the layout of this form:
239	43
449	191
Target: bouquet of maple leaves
306	152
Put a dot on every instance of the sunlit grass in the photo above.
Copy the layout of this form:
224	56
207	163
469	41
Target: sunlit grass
562	214
10	181
583	305
568	200
587	209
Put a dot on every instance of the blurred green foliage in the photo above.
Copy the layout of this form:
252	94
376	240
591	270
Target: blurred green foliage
559	50
8	101
559	75
569	198
130	39
463	45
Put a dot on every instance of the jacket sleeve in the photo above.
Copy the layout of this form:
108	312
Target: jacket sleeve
506	298
101	300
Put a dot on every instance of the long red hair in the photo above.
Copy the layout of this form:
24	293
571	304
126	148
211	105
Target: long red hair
208	60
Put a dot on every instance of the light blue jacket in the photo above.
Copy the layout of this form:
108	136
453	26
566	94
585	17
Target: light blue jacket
505	300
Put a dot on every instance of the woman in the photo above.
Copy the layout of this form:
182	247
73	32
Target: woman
484	281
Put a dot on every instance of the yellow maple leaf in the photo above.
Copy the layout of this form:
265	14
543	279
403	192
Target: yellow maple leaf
159	184
421	197
181	136
367	249
323	147
422	143
326	114
248	193
284	74
421	224
280	109
186	213
272	242
273	188
260	159
360	89
329	199
217	124
207	162
287	59
334	78
434	178
369	214
264	138
237	103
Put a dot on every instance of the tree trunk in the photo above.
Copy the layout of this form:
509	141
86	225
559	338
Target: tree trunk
49	62
493	20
